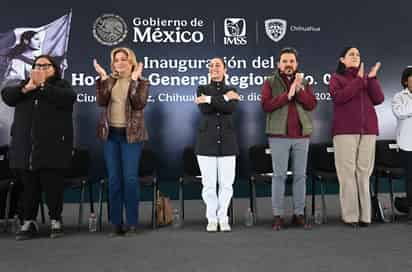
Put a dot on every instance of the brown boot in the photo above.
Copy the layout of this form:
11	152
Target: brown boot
277	223
299	221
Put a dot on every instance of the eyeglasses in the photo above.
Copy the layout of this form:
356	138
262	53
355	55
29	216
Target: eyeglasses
41	66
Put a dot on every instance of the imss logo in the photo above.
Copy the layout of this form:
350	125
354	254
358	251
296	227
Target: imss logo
235	31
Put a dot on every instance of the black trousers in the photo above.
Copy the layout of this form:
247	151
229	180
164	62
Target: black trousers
16	206
407	165
48	180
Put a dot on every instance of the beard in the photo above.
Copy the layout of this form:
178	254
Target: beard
289	70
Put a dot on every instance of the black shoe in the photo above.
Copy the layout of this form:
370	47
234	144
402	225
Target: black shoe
364	224
56	229
131	231
351	224
28	230
117	231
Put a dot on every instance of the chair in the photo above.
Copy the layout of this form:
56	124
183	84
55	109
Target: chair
191	175
76	178
147	178
321	168
260	160
388	165
7	182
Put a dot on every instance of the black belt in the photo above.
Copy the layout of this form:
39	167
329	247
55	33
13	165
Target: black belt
118	130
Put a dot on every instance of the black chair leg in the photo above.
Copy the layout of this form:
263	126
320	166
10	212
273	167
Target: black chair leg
100	209
377	210
231	212
251	206
80	219
182	204
255	208
91	199
106	189
392	197
154	215
313	195
8	205
324	213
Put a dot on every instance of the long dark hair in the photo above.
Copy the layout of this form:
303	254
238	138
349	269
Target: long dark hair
23	44
340	69
57	72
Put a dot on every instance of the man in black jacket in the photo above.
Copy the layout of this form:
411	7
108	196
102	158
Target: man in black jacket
41	140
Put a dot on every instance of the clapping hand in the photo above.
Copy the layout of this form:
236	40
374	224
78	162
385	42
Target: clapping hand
100	70
374	70
137	72
37	79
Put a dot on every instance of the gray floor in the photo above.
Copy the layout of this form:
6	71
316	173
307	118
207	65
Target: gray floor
328	247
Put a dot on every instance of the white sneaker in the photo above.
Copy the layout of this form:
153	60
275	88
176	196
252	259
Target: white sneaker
225	227
56	229
55	224
27	224
211	227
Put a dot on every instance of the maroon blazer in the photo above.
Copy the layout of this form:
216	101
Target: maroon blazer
354	99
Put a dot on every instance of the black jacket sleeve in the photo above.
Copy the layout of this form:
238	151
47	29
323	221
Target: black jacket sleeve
13	95
221	105
59	93
204	108
218	104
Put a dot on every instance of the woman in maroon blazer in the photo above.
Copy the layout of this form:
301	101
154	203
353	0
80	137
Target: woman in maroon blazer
355	127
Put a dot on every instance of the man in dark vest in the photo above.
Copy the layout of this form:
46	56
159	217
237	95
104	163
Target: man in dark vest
287	100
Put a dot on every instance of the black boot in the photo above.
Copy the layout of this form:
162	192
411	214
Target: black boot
117	230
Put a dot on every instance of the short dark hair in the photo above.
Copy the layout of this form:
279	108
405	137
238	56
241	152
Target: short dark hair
407	72
340	69
288	50
57	72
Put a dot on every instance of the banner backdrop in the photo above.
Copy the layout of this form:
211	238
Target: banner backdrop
175	45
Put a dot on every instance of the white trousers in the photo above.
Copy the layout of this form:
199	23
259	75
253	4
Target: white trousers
217	170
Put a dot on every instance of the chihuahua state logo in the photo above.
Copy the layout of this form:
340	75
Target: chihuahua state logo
109	29
275	29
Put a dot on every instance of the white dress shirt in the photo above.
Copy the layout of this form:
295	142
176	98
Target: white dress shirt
402	108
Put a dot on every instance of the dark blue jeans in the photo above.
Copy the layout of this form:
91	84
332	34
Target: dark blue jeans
122	163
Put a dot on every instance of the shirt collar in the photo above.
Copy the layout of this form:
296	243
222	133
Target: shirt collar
406	91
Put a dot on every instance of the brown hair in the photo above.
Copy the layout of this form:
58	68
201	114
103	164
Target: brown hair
130	56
